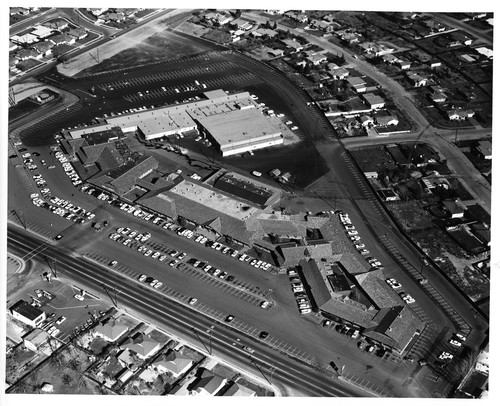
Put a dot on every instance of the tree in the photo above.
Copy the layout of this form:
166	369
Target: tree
275	25
67	379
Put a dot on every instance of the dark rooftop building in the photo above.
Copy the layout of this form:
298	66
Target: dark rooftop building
364	300
123	178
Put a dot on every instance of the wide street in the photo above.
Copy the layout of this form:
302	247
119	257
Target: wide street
342	187
182	321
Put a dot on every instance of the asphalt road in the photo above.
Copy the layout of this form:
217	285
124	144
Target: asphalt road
351	196
183	321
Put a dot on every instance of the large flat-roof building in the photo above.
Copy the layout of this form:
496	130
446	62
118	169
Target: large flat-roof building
239	131
233	121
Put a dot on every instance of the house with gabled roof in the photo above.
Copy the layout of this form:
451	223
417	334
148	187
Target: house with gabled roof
44	48
209	384
78	33
63	38
110	330
173	362
239	390
357	83
293	44
142	345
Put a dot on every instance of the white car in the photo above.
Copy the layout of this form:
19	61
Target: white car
61	320
460	336
393	283
305	311
142	278
455	343
407	298
265	304
192	301
445	355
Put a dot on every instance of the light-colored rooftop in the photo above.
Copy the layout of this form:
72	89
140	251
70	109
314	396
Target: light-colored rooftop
214	200
240	127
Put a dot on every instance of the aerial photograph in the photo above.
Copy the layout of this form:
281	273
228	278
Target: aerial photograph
247	203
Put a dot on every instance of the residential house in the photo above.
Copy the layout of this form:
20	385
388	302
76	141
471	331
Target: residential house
112	17
339	73
25	39
366	121
388	195
23	11
12	46
459	114
63	38
276	52
142	345
78	33
241	24
375	102
433	63
404	64
316	58
209	384
357	83
350	37
384	120
218	18
416	79
239	390
110	330
27	314
484	148
25	54
97	11
58	24
36	341
260	32
455	208
174	362
291	43
438	95
42	31
44	48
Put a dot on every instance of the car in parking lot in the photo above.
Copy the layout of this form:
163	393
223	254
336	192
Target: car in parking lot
407	298
263	334
265	304
229	318
248	349
113	263
142	278
153	282
193	300
60	320
305	311
455	343
222	275
460	336
158	285
393	283
445	355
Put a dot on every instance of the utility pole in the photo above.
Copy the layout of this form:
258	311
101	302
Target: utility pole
113	300
21	220
260	370
201	341
52	265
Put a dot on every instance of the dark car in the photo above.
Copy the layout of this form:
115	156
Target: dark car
263	334
13	156
230	278
22	149
35	153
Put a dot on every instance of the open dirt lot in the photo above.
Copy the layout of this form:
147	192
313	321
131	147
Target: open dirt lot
131	39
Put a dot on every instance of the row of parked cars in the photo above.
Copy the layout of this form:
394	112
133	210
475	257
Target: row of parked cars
300	294
42	185
68	168
456	341
63	208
